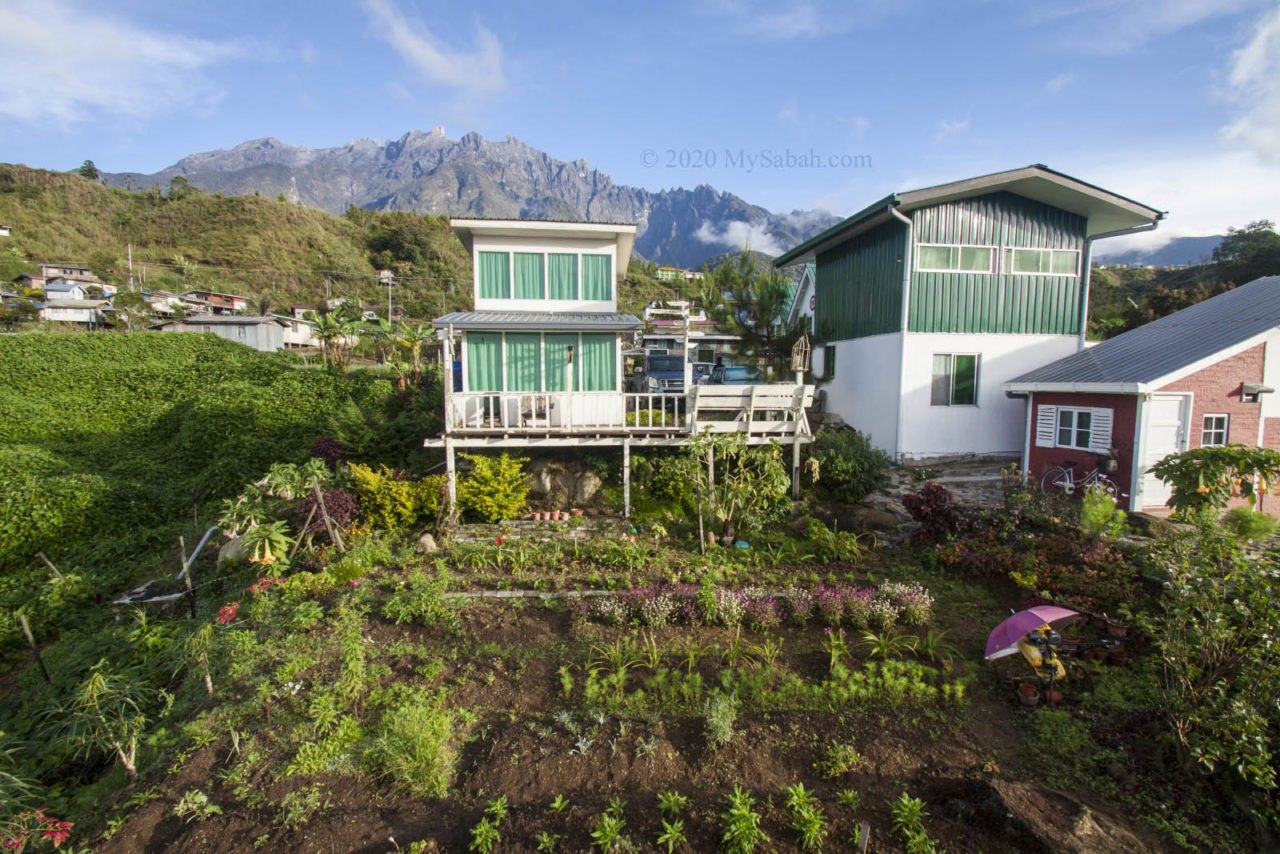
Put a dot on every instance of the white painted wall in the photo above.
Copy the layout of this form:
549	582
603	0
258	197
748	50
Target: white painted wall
997	424
606	246
1271	376
864	391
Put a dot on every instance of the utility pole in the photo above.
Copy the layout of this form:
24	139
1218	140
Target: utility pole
129	250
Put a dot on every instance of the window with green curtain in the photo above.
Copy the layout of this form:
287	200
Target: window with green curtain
562	274
597	277
599	362
495	275
529	277
524	361
484	361
557	346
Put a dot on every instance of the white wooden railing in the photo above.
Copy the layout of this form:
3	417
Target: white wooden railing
772	410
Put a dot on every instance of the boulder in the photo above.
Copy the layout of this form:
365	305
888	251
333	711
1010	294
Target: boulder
426	544
588	485
232	550
541	476
867	520
1155	527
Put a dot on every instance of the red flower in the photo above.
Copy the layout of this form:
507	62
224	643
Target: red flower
227	613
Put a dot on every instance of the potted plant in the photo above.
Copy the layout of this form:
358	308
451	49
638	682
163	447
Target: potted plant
1028	693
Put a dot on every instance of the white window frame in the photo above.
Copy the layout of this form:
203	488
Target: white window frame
1207	430
1006	260
951	372
1076	412
991	250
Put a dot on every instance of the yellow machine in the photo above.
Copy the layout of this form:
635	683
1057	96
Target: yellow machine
1037	647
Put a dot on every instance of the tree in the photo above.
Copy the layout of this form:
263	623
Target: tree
762	298
104	714
88	170
131	308
1248	253
180	188
102	263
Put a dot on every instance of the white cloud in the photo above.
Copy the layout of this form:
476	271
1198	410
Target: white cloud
1059	83
476	73
1255	84
1120	26
950	127
69	65
736	234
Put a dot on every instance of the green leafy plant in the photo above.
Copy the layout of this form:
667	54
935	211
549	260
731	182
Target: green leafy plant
935	647
1099	514
390	499
840	758
484	836
742	830
849	467
750	486
609	832
672	835
807	818
559	804
416	747
1249	525
1207	478
849	799
671	803
268	544
547	841
194	805
104	713
496	488
908	821
423	599
888	644
721	713
301	805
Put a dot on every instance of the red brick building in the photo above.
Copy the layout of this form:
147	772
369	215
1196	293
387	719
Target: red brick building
1203	376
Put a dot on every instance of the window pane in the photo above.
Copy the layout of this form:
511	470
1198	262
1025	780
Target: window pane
524	361
599	364
935	257
528	275
941	393
975	259
1064	263
596	277
559	371
964	387
1030	261
1084	422
1066	426
563	275
484	361
495	275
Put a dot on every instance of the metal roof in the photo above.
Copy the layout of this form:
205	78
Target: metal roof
1150	355
233	319
540	321
1104	210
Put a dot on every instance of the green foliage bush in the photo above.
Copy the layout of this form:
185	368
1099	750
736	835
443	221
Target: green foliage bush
1099	514
389	499
417	745
1207	478
1249	525
496	488
422	599
365	555
849	467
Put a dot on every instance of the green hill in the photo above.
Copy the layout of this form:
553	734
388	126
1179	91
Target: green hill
184	238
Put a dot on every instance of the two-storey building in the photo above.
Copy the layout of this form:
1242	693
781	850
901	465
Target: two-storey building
540	358
929	300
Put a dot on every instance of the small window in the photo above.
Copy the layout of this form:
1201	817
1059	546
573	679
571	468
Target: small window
829	361
1075	428
1214	431
1042	262
955	380
954	259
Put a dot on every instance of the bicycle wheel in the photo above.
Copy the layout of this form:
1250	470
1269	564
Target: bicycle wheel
1108	484
1056	481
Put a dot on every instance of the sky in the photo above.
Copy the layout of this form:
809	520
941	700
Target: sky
1175	103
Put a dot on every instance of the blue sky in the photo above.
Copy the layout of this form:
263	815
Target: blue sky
1173	102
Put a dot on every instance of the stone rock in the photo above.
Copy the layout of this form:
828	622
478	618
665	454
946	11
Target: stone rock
540	476
232	550
426	544
588	485
1155	527
866	520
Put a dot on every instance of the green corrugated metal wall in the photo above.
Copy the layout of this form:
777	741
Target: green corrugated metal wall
970	302
859	285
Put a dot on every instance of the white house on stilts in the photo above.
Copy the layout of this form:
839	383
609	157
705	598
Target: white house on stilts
540	359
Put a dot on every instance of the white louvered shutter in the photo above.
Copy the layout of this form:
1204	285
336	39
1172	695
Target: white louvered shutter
1100	431
1047	426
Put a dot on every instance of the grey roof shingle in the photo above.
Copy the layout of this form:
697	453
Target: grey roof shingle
539	321
1159	348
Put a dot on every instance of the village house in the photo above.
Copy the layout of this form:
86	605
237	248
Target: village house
4	230
541	355
70	272
219	303
928	300
260	333
1206	375
92	313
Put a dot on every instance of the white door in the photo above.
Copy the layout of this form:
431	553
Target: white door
1166	433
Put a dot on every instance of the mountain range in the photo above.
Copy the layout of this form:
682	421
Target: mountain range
429	173
1179	250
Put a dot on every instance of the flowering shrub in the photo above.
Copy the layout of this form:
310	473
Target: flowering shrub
797	603
913	602
227	613
610	610
763	613
16	832
828	604
884	614
857	608
731	606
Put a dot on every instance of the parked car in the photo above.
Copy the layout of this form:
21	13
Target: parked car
658	374
702	372
735	375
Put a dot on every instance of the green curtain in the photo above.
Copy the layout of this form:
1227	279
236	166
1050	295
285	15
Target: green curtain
524	361
599	364
529	279
495	275
964	391
596	277
484	361
563	274
557	347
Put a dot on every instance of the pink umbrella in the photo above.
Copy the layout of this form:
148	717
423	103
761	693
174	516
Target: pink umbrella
1004	640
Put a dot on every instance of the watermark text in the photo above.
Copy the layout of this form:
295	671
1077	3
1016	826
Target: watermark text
749	160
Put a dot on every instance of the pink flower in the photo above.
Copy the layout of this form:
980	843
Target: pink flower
227	613
355	582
